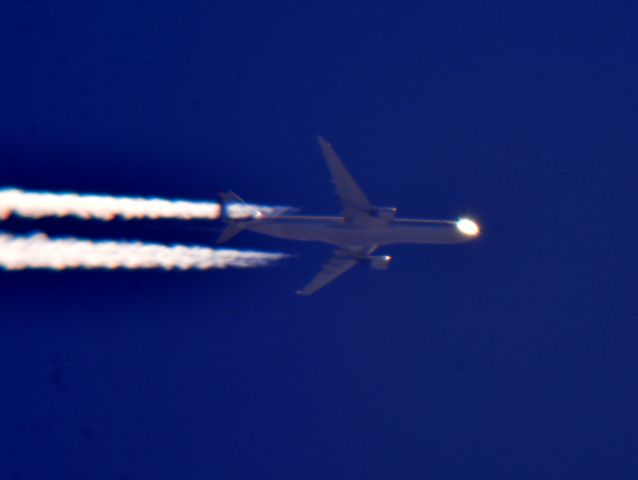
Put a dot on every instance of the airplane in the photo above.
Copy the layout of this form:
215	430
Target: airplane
357	232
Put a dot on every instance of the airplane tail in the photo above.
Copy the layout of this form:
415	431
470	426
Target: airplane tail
234	226
230	231
229	197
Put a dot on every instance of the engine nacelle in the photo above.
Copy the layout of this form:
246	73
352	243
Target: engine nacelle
380	262
385	213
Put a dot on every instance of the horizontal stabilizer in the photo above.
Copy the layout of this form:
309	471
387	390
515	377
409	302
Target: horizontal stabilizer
230	197
229	232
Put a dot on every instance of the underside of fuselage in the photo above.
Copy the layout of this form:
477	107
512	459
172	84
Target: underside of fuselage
341	231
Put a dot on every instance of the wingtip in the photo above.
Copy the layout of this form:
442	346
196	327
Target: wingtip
322	141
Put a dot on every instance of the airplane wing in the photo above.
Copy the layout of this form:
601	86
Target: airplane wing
342	260
354	202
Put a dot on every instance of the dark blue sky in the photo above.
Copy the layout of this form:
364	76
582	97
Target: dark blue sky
513	357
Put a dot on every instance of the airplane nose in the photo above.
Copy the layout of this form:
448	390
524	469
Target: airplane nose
468	227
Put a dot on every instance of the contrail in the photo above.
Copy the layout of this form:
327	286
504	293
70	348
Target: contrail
38	251
103	207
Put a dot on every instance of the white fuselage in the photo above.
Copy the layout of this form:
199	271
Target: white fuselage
340	231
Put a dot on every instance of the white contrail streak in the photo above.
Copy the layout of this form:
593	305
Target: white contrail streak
38	251
103	207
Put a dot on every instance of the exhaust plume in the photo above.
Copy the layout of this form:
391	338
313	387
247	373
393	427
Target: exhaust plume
38	251
103	207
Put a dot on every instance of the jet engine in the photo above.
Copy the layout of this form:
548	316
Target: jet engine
381	262
385	213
